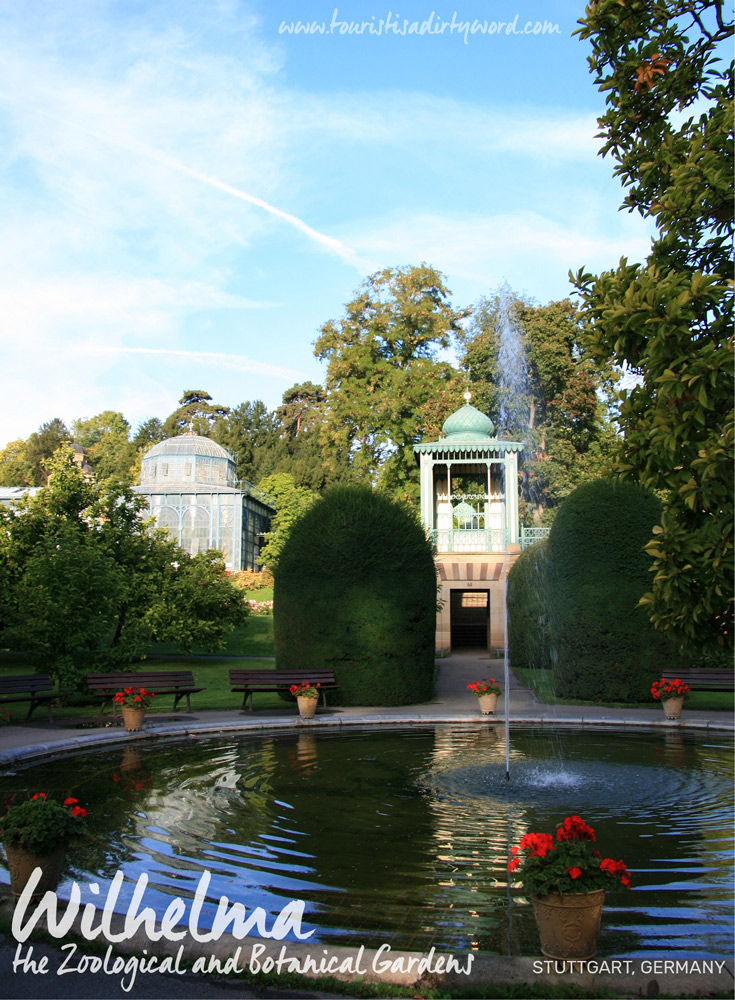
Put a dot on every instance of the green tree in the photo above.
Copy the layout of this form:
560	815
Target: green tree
301	409
41	447
668	126
15	465
250	431
291	502
150	432
196	414
555	407
106	438
85	585
385	381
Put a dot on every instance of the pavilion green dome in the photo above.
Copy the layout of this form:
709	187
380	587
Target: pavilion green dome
468	424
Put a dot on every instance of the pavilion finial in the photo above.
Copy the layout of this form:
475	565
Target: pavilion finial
467	396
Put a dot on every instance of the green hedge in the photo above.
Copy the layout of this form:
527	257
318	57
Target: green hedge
603	646
528	625
355	590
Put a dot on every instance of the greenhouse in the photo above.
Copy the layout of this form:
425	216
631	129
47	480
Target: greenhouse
193	492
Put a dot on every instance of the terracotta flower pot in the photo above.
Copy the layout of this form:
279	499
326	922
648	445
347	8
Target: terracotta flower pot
672	707
133	718
568	923
22	863
307	707
488	703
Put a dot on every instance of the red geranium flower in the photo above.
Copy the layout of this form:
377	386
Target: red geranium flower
574	828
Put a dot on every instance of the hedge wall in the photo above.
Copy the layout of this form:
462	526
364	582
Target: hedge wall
528	625
603	646
355	590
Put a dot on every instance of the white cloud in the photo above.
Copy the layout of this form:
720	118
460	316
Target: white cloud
525	247
453	126
233	362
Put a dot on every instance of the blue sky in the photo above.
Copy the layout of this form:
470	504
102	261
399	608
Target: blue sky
189	189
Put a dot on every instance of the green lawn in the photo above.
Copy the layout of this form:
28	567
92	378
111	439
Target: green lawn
253	639
211	674
541	682
266	594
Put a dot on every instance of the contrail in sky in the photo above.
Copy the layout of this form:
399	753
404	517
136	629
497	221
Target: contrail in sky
334	246
239	362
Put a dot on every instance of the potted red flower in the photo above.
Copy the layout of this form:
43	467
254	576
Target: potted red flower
36	834
307	696
566	879
487	692
671	694
134	701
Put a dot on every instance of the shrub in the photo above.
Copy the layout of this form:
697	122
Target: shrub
603	645
528	625
248	579
355	591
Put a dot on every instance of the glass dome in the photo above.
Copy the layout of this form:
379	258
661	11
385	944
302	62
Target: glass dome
188	458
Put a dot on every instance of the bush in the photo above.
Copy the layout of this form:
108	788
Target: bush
248	579
528	625
355	591
603	645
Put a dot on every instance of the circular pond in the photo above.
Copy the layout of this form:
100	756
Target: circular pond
402	835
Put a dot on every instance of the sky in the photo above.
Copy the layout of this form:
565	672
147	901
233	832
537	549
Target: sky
191	188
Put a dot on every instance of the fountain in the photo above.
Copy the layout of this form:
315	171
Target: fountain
400	834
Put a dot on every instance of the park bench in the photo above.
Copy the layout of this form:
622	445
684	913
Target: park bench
704	678
38	689
249	681
179	683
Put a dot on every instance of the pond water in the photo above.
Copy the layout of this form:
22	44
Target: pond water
402	835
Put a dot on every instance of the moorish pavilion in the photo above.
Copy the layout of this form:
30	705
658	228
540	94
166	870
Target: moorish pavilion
469	507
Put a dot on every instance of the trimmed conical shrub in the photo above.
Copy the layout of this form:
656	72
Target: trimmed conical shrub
355	591
603	645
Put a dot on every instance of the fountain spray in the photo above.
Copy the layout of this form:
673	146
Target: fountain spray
506	669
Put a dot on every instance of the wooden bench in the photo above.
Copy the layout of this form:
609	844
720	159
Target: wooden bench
36	688
249	681
179	683
704	678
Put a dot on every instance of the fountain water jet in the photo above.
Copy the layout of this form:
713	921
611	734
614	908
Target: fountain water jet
515	422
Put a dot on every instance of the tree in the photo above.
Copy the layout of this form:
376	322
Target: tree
85	585
250	432
150	432
301	409
385	382
551	400
291	502
668	126
15	465
196	414
106	439
41	447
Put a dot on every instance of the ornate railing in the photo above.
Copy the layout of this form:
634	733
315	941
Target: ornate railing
531	535
468	539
